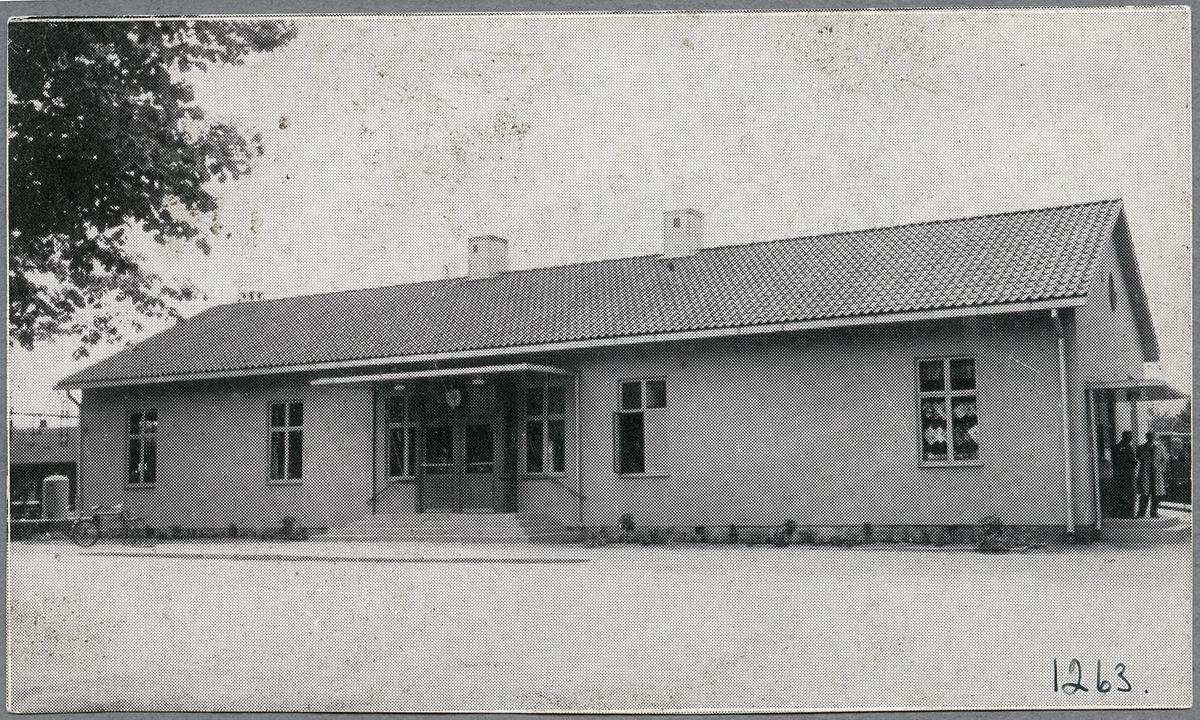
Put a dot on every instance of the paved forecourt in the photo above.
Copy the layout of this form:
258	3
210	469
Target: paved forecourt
329	627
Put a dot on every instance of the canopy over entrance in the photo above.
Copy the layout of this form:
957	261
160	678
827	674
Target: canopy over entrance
1144	389
445	372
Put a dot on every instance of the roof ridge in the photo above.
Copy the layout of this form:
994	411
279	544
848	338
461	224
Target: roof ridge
923	223
706	250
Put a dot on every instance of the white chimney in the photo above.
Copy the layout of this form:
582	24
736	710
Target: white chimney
487	256
683	232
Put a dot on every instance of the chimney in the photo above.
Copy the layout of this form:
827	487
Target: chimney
487	256
683	232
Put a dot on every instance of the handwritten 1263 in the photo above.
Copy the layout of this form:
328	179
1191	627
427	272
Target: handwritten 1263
1105	682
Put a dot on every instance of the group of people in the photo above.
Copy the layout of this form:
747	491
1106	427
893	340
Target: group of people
1139	477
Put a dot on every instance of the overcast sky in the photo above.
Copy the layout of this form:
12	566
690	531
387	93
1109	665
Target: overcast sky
390	140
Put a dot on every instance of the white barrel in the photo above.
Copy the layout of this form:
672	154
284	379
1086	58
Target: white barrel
56	497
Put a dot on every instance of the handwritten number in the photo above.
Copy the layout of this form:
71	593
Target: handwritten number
1121	674
1102	685
1071	688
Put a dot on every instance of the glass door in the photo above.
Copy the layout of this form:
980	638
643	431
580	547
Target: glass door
440	488
459	453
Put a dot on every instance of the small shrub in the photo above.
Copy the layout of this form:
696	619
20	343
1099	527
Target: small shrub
702	534
175	531
733	534
789	528
867	532
627	526
782	538
595	537
805	537
939	537
991	532
233	530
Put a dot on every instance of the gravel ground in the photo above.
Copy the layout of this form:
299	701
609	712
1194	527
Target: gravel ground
326	626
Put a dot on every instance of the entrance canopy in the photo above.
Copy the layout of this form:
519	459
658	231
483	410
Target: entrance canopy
445	372
1144	389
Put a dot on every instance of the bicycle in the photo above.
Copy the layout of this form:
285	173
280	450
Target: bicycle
86	531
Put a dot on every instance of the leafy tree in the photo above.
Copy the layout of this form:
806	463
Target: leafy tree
104	136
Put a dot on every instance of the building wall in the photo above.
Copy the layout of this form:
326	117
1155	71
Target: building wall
822	427
214	455
1103	346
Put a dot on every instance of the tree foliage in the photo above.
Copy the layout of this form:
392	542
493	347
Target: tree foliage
105	136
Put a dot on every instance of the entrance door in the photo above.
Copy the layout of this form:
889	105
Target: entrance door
440	487
459	463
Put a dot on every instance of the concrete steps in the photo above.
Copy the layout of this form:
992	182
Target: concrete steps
1135	530
450	527
446	527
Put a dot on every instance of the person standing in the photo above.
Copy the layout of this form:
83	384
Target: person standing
1152	474
1124	471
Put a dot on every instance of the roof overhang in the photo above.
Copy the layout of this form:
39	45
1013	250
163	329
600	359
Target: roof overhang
591	343
1144	390
444	372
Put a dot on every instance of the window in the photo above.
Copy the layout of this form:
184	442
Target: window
629	425
480	449
1112	293
949	416
545	433
143	447
287	442
439	450
402	437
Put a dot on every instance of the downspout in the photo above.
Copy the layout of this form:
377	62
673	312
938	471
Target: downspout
374	451
579	460
72	499
1094	447
1066	419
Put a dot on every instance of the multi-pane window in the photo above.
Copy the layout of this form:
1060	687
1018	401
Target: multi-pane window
143	447
545	433
402	437
629	425
287	441
949	414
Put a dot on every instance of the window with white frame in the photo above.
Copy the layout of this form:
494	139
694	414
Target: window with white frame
402	437
949	410
545	431
287	442
629	424
143	447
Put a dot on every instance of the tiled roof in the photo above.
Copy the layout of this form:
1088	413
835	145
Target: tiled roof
994	260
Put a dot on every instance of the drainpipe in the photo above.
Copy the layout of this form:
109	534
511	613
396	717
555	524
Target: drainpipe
1066	419
73	499
374	451
579	460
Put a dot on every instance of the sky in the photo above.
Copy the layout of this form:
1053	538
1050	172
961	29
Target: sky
390	140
